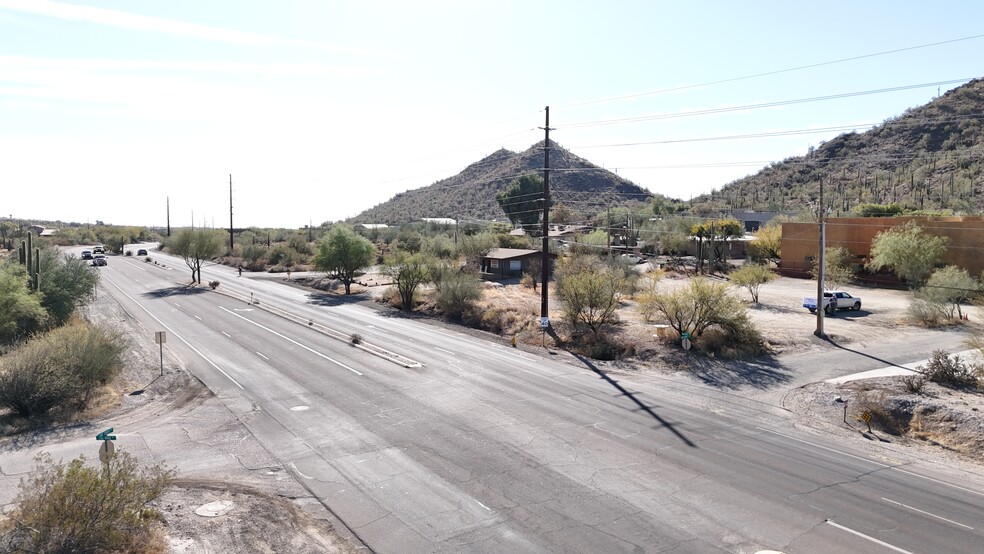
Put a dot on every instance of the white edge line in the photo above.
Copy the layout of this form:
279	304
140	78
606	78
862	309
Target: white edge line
958	487
226	334
927	513
484	506
893	468
260	354
866	537
292	341
443	350
823	447
188	344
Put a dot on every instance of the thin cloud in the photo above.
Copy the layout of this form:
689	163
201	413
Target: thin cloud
126	20
90	64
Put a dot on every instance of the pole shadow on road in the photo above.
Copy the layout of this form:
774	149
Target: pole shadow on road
869	356
643	407
175	291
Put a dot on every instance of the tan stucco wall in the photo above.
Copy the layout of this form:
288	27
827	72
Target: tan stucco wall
965	248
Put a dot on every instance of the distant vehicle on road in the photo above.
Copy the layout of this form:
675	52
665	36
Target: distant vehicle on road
837	299
98	249
99	259
87	254
142	252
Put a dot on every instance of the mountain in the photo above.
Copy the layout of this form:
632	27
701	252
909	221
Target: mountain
928	158
469	195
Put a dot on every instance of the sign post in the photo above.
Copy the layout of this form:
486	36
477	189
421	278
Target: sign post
107	448
160	337
685	340
544	325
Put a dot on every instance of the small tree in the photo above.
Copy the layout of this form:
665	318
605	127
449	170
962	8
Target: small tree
908	251
342	253
717	233
21	312
67	282
751	277
948	288
767	245
78	507
838	269
409	271
457	291
590	291
196	246
522	202
702	304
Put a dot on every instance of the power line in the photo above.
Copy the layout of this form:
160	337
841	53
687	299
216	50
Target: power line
768	73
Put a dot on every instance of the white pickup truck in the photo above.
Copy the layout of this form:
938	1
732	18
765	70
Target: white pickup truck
844	301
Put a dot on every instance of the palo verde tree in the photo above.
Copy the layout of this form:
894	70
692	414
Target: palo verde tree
522	201
751	277
717	233
949	287
408	271
67	284
590	290
21	312
341	253
837	270
908	251
767	245
196	246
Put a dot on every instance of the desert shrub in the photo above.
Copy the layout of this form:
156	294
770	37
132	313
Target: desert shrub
213	285
280	255
751	277
914	383
883	414
949	370
356	338
927	312
528	281
602	346
254	255
78	507
491	321
647	305
61	367
299	244
456	292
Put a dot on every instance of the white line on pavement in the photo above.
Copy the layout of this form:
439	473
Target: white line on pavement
926	513
260	354
292	341
866	537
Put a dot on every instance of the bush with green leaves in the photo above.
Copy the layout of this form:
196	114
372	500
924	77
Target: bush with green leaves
908	251
705	305
21	312
590	290
457	292
60	368
948	288
751	277
950	371
837	268
66	283
81	507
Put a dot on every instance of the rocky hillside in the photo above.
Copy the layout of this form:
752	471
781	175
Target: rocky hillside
470	195
928	158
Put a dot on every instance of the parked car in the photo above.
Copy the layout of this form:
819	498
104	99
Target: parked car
142	252
99	259
632	259
87	254
844	301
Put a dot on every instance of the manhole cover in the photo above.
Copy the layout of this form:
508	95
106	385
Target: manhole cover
213	509
299	408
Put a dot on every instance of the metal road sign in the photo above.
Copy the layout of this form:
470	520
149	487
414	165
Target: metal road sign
106	436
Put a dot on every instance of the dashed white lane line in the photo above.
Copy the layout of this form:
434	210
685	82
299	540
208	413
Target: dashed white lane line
292	341
260	354
226	334
906	506
869	538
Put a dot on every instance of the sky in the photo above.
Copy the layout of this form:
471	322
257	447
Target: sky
124	111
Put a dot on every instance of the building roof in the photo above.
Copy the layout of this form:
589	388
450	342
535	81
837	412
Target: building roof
372	225
440	220
508	253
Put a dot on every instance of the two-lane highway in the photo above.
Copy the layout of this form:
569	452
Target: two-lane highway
483	448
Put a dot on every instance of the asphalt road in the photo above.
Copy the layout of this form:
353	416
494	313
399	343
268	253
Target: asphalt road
485	448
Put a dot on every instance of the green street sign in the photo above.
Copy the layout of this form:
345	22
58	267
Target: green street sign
105	435
683	335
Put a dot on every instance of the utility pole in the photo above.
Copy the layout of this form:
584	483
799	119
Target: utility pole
545	260
168	216
231	232
821	262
